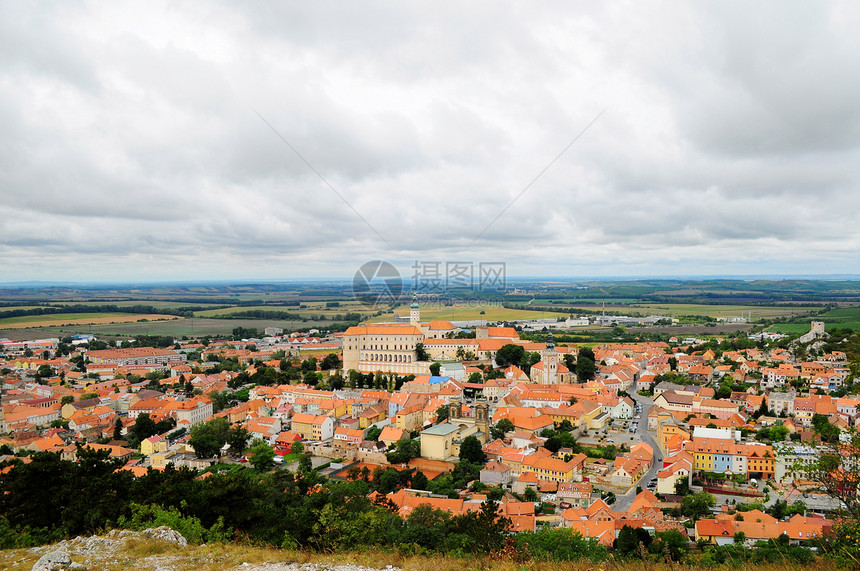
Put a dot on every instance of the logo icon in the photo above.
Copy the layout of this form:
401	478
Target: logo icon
377	283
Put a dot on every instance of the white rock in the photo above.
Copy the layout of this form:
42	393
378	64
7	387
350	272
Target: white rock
53	561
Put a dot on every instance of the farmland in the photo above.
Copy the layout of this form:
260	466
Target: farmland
471	312
842	317
757	312
78	319
305	309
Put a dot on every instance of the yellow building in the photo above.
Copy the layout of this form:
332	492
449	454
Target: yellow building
437	441
667	431
410	418
313	427
371	415
386	348
152	445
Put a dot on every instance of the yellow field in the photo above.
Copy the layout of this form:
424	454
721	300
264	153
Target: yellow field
79	319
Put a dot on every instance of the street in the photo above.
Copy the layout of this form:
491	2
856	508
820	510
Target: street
622	503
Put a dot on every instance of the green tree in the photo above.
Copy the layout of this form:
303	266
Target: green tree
509	354
553	444
67	399
585	368
207	438
220	400
501	428
330	361
419	481
305	463
435	369
442	413
421	353
672	545
404	451
143	428
373	433
697	505
828	432
263	457
629	539
471	450
237	438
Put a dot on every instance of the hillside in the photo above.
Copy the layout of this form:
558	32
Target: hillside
163	549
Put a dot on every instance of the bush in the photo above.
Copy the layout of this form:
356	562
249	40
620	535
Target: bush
560	544
146	516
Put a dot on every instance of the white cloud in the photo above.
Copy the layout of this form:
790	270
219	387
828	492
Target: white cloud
132	148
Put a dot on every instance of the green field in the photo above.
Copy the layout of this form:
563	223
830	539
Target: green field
470	313
311	308
790	328
757	311
843	317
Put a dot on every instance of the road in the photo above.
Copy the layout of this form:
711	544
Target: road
622	503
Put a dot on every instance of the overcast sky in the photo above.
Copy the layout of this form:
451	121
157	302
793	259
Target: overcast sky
131	147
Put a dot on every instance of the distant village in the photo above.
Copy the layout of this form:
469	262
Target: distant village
588	438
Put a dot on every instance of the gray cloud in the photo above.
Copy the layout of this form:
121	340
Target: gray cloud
131	147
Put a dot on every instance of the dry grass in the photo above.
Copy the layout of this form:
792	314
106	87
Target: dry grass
148	554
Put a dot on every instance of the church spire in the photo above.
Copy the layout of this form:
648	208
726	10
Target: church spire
414	311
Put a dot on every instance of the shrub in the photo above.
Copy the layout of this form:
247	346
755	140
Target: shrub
145	516
560	545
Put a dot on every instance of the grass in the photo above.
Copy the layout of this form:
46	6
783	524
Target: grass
789	328
843	317
149	554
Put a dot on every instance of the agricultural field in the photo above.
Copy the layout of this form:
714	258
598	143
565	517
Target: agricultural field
176	327
790	328
77	319
17	307
306	309
470	312
159	304
843	317
757	311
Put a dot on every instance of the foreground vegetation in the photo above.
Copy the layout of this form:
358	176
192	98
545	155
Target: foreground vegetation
49	499
221	556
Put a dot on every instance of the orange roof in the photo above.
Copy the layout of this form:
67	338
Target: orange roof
383	330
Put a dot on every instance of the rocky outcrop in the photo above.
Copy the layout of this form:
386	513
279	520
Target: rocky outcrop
102	548
119	549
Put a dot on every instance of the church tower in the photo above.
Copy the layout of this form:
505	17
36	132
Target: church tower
482	416
551	361
414	311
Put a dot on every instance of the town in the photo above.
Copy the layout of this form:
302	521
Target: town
689	441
